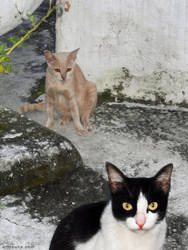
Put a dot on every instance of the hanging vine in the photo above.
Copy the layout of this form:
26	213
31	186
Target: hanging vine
5	66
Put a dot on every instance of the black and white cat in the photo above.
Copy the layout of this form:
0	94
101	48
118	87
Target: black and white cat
133	218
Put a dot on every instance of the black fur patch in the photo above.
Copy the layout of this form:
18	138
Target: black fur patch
78	226
130	193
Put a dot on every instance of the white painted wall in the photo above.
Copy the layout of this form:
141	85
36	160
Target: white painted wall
13	11
145	36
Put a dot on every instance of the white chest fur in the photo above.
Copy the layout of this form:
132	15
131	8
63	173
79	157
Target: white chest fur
114	235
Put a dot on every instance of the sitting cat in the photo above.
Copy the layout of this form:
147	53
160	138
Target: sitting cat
68	91
133	218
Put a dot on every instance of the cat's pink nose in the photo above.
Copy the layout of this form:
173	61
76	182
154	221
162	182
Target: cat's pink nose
63	76
140	220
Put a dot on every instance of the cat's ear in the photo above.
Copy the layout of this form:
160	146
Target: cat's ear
50	58
115	177
73	55
163	178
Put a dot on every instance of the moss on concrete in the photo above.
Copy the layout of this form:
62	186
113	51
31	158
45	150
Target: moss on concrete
158	87
31	155
105	96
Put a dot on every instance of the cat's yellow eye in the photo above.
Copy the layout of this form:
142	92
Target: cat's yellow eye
57	70
153	206
69	69
127	206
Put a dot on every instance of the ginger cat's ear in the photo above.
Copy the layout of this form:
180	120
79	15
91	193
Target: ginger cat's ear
50	58
73	54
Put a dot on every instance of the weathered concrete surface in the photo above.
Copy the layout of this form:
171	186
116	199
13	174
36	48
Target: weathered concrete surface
139	139
31	154
148	38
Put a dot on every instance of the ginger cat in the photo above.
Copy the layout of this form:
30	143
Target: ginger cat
67	91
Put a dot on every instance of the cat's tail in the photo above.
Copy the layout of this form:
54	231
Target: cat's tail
32	107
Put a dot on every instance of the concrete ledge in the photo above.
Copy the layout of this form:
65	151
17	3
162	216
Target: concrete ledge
31	154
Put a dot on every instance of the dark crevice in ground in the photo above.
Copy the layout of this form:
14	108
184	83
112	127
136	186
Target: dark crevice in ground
35	92
57	199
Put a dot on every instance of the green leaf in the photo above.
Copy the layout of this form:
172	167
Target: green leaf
33	19
8	68
13	39
3	47
4	58
5	68
1	69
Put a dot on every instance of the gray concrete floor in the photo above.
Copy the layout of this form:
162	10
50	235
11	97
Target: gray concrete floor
140	140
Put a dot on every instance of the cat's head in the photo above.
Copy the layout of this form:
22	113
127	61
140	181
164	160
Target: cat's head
140	203
62	63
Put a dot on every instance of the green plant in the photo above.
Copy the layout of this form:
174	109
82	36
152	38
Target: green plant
33	19
5	66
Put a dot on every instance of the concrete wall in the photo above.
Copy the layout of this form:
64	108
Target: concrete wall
146	37
13	11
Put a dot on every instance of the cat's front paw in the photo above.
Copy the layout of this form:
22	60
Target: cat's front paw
49	124
88	127
82	131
